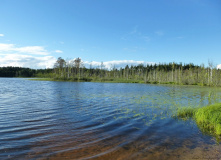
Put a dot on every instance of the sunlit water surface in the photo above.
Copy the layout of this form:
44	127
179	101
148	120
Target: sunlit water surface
70	120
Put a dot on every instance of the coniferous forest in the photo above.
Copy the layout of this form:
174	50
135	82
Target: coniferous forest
171	73
24	72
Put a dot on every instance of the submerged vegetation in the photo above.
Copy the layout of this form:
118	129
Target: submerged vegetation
207	118
162	102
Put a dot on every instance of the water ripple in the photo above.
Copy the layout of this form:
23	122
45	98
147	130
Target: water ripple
67	120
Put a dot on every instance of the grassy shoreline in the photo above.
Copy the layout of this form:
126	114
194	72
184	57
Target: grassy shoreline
114	81
208	118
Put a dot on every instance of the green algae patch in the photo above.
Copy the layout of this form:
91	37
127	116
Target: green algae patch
207	118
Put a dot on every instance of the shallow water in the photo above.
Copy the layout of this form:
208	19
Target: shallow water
70	120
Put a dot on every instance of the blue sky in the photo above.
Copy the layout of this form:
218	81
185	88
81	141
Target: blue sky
35	33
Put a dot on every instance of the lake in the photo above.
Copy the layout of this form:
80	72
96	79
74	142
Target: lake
85	120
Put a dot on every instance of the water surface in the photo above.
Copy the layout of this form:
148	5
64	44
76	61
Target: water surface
71	120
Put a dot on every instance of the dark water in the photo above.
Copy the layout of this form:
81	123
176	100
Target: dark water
70	120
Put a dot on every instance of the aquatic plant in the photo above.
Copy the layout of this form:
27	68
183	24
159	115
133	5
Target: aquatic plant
210	118
207	118
186	113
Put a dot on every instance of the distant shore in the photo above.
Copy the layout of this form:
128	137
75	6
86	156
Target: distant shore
115	81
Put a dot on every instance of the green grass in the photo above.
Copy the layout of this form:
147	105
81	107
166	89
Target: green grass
185	113
109	80
41	79
207	118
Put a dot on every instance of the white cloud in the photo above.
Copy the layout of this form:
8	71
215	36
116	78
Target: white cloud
116	64
37	50
27	61
34	50
218	66
6	47
37	57
1	35
58	51
28	56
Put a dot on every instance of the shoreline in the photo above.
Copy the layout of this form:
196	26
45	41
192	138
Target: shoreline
118	81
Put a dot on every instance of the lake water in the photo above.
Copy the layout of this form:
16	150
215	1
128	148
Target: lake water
71	120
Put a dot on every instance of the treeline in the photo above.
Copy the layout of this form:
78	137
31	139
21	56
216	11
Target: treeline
173	73
24	72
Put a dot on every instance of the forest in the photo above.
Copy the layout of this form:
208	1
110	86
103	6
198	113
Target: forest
171	73
24	72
